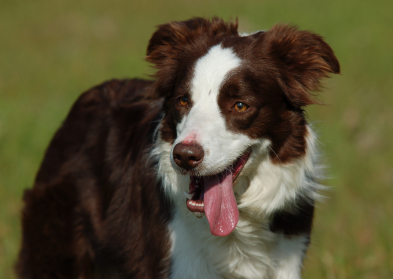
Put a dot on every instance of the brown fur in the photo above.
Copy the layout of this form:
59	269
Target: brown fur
96	209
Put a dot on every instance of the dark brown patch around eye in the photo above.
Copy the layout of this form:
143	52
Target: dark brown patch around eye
175	108
268	115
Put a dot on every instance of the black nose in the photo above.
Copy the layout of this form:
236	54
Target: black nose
188	156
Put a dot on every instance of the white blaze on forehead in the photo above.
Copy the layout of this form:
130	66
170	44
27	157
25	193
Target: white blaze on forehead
211	70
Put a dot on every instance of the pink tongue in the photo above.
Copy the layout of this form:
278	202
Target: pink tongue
220	203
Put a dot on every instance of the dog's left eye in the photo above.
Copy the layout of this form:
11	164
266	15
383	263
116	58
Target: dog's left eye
241	107
183	101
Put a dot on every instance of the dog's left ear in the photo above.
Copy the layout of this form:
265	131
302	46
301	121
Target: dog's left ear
303	59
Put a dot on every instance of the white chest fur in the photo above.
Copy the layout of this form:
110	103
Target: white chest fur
250	251
199	254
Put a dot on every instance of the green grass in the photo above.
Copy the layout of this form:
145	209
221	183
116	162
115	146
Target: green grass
51	51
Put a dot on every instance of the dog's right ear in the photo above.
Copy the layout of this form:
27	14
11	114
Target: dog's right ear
164	43
175	37
166	49
172	45
169	43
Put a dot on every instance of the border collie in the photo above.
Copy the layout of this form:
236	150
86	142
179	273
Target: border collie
209	171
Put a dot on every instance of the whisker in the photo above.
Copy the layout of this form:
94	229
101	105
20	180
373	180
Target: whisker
275	153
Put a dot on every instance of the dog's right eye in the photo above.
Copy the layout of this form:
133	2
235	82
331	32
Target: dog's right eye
183	101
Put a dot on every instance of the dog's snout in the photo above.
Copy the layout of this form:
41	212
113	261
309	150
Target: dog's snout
188	156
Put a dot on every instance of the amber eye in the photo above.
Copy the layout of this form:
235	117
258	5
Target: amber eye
183	101
241	107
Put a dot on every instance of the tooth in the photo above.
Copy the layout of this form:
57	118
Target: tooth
197	186
196	181
188	195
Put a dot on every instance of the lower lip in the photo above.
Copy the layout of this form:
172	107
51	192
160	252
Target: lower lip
196	208
242	162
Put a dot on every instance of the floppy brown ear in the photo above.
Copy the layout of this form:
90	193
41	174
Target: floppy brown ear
163	49
175	35
175	43
164	42
164	52
303	58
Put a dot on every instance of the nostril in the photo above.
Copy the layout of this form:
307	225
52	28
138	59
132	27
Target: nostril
193	159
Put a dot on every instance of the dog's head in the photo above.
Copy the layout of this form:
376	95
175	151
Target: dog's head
227	96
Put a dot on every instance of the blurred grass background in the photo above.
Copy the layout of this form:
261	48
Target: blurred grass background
51	51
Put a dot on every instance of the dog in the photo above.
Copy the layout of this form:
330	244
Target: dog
210	170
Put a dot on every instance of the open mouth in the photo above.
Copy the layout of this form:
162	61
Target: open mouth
213	195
